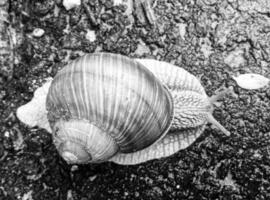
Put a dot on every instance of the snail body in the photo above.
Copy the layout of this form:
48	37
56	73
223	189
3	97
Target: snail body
107	107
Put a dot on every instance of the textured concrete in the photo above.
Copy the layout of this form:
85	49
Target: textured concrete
213	39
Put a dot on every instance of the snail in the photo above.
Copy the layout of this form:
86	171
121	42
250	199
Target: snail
108	107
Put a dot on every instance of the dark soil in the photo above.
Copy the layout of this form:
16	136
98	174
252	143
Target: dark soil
213	39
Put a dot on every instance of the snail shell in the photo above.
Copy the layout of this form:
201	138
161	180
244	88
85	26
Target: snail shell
103	104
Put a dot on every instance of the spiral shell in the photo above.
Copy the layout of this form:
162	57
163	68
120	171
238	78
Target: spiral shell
101	104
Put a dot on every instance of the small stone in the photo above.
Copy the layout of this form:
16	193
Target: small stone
235	59
137	194
27	196
182	30
69	195
117	2
92	178
90	35
74	168
6	134
251	81
69	4
38	32
142	48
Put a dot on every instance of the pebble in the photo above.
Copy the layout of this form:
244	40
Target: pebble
74	168
69	4
182	30
90	35
251	81
38	32
92	178
235	59
117	2
6	134
69	195
27	196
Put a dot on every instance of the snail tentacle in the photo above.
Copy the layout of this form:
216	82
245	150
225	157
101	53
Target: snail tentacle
213	121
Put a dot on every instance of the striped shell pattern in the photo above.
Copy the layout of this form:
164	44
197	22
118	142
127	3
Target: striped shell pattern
103	104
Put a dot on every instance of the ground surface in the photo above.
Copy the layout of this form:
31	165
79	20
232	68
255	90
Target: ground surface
213	39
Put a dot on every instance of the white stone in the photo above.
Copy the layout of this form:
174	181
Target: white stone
90	35
235	59
6	134
27	196
251	81
182	30
69	4
117	2
38	32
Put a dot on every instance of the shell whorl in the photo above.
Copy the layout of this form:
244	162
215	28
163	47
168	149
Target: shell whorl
79	141
115	94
